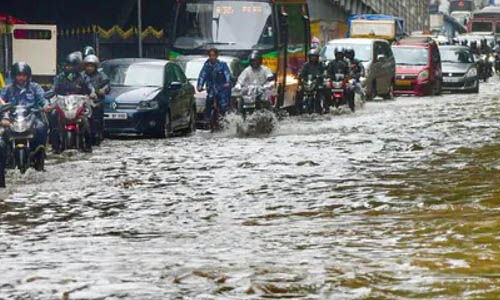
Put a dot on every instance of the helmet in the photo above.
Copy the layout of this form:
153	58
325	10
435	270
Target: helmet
88	50
91	59
464	43
255	55
473	43
349	53
73	59
21	68
339	50
313	52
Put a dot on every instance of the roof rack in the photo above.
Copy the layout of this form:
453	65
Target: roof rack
412	40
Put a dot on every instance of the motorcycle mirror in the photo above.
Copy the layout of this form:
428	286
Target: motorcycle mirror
6	107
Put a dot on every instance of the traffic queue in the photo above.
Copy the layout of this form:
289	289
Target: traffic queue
162	98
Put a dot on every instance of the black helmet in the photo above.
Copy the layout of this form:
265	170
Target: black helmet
73	59
349	52
88	50
20	68
473	43
313	52
255	55
464	43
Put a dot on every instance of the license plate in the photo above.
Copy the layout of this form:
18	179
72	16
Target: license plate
115	116
451	79
338	90
403	82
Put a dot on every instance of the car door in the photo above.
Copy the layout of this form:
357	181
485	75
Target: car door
186	94
174	92
389	68
378	67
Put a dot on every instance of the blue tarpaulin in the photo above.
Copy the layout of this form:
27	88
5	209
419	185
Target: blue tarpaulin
400	23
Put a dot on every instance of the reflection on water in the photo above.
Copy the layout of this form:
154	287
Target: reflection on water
396	201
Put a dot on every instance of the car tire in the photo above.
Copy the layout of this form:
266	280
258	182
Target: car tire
476	89
192	121
167	126
390	94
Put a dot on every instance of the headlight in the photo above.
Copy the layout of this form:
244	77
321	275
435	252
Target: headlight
20	127
423	75
491	59
471	73
148	105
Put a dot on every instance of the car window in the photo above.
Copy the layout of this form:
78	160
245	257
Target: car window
387	50
179	75
379	49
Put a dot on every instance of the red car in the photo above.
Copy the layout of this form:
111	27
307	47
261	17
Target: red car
418	67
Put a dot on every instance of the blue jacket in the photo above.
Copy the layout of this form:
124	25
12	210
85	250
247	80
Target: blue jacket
33	94
215	77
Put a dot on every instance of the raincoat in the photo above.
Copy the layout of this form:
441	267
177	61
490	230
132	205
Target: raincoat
217	79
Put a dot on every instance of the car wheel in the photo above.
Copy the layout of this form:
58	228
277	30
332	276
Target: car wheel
476	89
166	129
192	121
390	94
373	92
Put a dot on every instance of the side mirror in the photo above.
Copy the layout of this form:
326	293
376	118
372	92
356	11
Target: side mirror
380	57
174	86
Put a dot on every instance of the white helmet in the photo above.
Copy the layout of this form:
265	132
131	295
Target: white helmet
91	59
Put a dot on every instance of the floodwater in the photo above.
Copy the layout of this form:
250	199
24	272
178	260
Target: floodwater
397	201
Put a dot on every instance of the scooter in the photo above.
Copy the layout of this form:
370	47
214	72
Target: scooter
74	112
21	136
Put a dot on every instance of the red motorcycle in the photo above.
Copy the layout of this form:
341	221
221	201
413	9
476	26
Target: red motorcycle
74	112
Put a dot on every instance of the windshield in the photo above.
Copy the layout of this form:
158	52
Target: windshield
136	75
209	24
411	56
459	56
363	51
193	69
482	27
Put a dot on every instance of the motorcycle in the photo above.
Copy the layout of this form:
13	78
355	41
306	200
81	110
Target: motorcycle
255	108
74	112
338	86
21	135
312	97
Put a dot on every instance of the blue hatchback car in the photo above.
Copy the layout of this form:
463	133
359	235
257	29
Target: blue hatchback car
148	96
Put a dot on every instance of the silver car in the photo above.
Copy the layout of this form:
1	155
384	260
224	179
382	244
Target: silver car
459	69
378	60
192	65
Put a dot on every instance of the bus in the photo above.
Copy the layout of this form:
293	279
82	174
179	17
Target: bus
486	21
279	29
33	44
461	5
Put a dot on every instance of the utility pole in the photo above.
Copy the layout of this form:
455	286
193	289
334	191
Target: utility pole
139	25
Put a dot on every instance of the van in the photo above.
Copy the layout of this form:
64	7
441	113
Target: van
378	60
418	67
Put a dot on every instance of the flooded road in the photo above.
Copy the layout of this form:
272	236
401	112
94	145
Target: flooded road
398	201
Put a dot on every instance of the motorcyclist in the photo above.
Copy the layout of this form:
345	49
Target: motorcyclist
313	66
255	73
339	65
357	69
485	49
100	83
216	76
23	91
69	82
473	47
